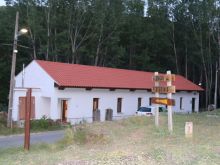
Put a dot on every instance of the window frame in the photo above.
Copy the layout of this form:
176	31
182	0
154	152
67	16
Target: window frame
139	102
119	105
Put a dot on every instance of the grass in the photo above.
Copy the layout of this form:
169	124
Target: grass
130	141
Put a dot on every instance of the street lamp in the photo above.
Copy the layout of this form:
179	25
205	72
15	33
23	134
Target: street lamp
12	80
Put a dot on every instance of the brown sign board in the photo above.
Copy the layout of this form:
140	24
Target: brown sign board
168	77
163	101
168	89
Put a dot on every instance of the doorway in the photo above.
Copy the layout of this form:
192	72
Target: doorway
96	111
193	104
64	107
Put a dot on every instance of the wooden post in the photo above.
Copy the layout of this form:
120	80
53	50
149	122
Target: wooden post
27	120
169	107
157	105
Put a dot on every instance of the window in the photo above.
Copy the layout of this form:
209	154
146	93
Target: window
95	104
181	103
139	102
119	104
150	99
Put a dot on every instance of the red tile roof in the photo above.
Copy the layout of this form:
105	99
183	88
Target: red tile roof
75	75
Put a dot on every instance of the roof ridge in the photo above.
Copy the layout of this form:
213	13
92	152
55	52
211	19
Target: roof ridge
99	67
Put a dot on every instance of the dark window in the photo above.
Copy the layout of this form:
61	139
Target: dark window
119	104
139	102
150	99
181	103
193	104
95	104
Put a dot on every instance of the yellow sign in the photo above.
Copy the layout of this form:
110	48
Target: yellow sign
164	77
163	101
168	89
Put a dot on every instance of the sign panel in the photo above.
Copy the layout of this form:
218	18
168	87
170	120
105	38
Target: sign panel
168	89
163	101
170	77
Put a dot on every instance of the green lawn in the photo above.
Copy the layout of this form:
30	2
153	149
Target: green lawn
130	141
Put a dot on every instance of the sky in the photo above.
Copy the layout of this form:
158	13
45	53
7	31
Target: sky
2	2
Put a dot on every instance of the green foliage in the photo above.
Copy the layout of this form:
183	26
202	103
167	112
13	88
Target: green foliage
45	124
115	33
42	123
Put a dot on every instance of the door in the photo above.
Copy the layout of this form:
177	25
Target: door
64	108
22	106
193	104
96	111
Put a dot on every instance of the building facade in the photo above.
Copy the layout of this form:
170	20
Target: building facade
70	92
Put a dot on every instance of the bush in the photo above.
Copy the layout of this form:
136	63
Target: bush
42	123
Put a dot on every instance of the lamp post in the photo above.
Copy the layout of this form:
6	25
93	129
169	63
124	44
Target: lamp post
12	80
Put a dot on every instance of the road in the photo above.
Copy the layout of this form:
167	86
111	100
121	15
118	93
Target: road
42	137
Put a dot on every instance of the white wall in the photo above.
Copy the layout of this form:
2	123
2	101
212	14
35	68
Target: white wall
36	77
43	88
80	102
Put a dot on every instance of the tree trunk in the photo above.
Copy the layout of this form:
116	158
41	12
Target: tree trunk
99	46
48	32
186	59
174	48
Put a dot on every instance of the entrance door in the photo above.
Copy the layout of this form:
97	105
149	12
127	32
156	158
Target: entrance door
64	105
193	104
96	111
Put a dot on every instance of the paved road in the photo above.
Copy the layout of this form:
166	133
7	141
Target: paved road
43	137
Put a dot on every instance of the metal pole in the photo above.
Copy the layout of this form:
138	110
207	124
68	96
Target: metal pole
27	120
12	80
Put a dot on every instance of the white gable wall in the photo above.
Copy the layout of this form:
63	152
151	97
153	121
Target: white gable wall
36	77
43	89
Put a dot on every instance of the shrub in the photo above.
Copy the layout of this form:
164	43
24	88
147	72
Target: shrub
42	123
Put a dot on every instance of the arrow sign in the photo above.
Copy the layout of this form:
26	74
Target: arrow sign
163	101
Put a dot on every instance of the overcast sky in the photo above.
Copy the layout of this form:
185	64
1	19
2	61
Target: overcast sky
2	2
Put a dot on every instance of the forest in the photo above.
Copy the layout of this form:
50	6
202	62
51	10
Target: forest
155	35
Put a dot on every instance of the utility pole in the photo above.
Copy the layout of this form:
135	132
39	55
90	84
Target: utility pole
12	80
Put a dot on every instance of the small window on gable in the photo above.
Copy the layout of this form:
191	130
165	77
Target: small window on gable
119	105
139	102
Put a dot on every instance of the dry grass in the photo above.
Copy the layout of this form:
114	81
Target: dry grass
131	141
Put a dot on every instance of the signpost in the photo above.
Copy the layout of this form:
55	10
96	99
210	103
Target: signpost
157	105
168	89
27	120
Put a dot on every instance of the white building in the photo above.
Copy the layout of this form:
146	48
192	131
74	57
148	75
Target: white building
71	92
